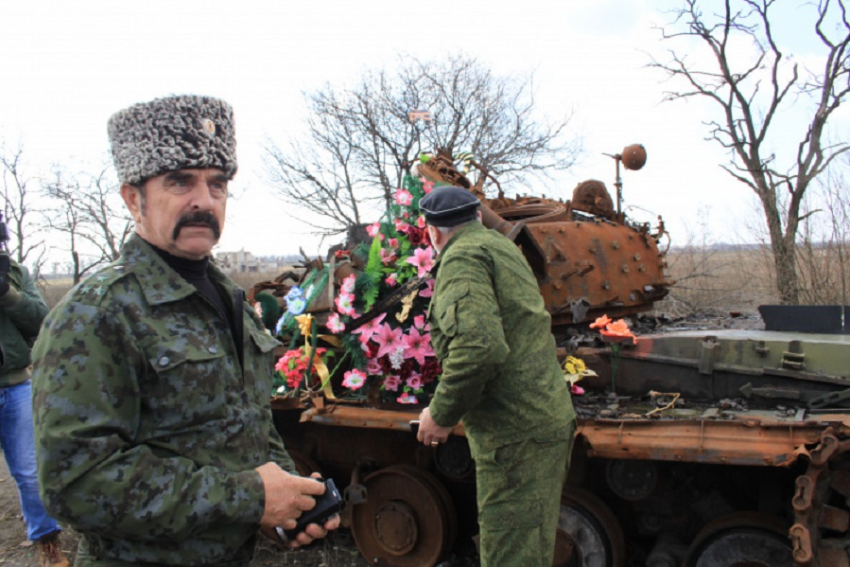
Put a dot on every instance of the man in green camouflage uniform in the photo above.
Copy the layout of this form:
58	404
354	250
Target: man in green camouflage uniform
501	378
152	377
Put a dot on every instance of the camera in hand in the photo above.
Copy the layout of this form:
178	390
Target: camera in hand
327	505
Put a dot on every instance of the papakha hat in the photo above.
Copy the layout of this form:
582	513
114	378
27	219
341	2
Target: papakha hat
172	133
449	206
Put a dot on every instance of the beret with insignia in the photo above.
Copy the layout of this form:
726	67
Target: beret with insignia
449	206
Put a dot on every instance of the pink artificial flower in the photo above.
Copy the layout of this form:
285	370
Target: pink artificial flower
401	226
373	367
387	256
392	383
388	340
344	303
429	290
576	390
391	280
373	229
418	346
423	258
393	242
427	186
334	324
414	382
420	222
258	309
369	329
403	197
348	284
419	321
354	379
407	398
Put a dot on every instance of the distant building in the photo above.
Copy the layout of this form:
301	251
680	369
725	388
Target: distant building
245	262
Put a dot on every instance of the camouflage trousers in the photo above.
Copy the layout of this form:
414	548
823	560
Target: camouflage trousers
519	496
86	559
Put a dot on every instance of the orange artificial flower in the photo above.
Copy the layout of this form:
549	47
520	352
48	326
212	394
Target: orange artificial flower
619	329
601	322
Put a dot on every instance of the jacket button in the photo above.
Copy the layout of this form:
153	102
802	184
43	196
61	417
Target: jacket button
212	350
164	361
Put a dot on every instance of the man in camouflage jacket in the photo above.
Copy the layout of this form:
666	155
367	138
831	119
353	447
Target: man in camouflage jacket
152	377
501	378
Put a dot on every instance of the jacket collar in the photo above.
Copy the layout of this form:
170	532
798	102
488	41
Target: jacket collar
470	227
162	284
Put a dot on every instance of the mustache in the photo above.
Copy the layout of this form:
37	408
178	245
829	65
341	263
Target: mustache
198	217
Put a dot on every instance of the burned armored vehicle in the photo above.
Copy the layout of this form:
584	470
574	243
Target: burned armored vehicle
697	448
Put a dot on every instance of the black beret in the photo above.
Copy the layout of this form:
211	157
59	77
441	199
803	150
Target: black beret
449	206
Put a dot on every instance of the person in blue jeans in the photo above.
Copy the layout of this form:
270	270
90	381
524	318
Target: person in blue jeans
22	309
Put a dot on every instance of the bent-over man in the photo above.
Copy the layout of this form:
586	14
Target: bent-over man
501	378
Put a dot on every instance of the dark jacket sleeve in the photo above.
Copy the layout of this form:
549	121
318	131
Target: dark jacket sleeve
23	303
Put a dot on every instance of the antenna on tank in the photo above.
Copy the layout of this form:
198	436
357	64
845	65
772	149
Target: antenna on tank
633	157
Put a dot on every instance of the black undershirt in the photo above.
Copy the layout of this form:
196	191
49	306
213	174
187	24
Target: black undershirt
196	272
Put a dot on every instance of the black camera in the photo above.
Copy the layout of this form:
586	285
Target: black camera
327	505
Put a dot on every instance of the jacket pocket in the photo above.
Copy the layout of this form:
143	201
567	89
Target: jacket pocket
188	385
447	308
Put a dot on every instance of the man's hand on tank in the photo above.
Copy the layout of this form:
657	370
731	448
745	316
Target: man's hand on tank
286	496
430	433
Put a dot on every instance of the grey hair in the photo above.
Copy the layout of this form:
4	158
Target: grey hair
452	229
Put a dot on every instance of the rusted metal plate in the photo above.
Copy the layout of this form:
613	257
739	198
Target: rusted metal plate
365	417
699	441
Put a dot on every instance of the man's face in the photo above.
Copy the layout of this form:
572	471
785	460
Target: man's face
181	212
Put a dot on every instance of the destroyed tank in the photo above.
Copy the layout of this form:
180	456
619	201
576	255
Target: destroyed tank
694	448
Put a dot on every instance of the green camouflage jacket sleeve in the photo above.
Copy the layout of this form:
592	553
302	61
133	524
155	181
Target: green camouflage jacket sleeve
466	327
147	430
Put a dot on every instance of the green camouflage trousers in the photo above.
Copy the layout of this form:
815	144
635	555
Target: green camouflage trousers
86	559
519	496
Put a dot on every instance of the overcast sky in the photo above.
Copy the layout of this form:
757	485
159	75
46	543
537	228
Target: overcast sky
67	66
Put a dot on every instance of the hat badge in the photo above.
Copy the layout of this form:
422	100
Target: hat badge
209	126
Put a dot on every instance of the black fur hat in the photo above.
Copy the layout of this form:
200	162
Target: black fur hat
172	133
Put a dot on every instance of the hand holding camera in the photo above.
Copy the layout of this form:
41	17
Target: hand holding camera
327	505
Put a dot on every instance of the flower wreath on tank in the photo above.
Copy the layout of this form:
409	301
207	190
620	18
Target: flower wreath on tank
373	335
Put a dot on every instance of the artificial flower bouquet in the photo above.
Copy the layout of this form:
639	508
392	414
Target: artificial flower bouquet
375	327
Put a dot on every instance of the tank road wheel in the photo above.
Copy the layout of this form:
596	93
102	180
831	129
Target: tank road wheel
741	539
589	534
408	519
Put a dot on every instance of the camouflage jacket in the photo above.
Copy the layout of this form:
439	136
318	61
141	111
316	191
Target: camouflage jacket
147	431
492	335
22	310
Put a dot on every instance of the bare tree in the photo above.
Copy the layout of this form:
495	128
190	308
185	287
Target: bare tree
92	218
19	212
362	141
751	92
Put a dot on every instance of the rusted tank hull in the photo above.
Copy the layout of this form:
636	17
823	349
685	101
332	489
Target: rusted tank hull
598	267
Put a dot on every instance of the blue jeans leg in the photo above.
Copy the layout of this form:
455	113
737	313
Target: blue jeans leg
17	442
